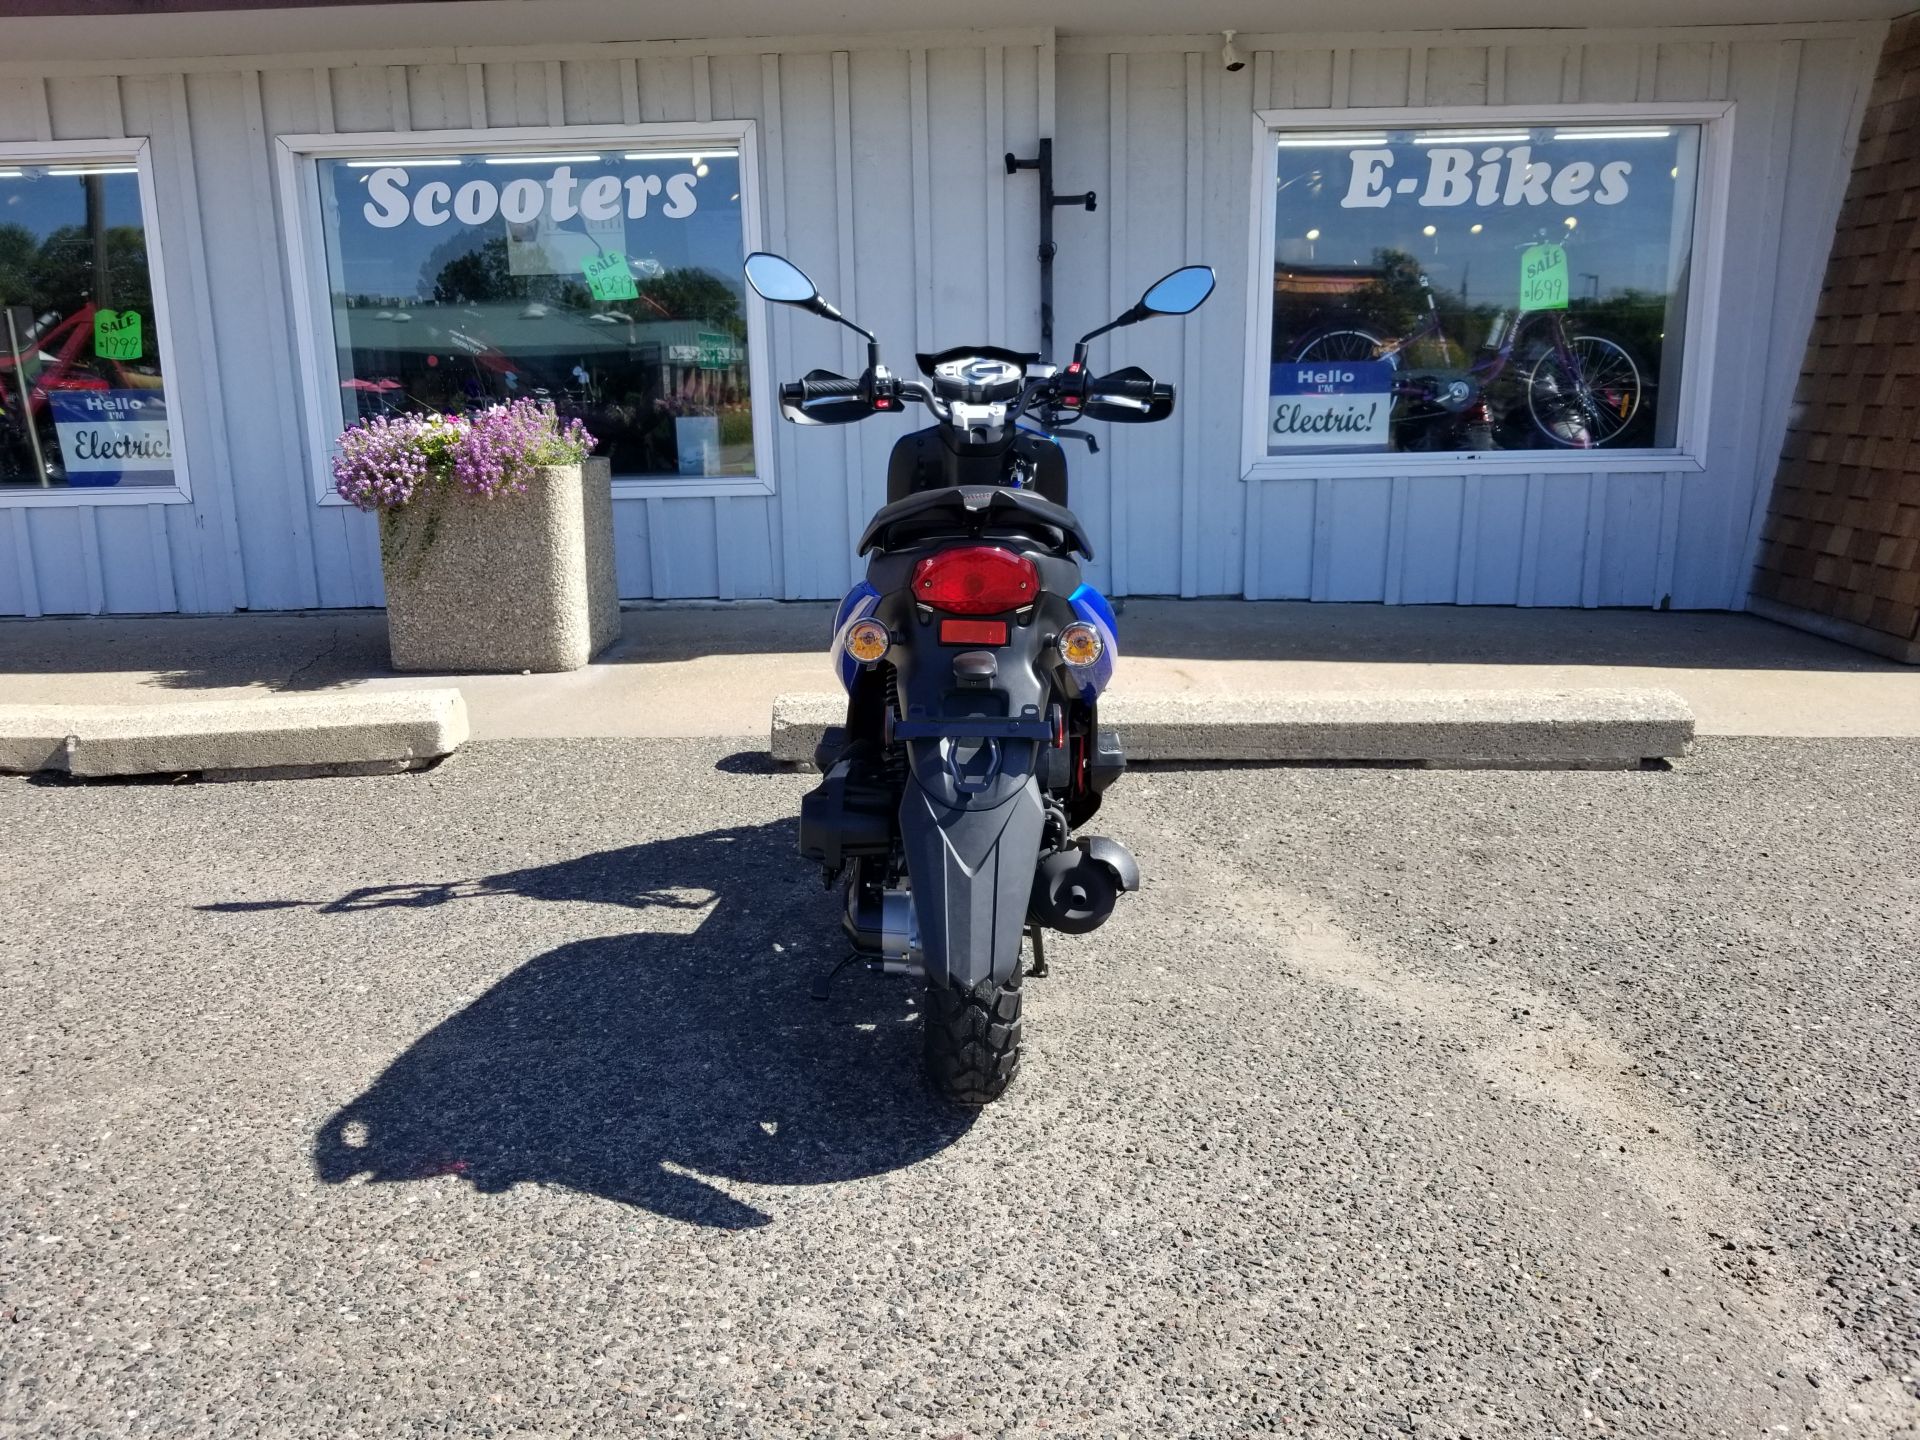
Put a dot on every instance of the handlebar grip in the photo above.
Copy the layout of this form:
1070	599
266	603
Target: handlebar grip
825	389
1127	386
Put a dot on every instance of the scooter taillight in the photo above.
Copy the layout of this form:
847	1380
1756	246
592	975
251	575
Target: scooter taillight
976	580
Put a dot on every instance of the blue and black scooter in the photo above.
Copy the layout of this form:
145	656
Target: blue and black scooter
973	656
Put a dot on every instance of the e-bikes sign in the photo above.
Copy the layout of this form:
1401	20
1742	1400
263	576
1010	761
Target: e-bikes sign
1330	405
1486	177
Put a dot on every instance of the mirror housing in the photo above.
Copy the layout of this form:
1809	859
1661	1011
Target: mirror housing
1178	292
776	279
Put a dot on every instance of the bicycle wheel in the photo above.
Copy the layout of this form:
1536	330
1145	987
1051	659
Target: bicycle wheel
1347	343
1587	398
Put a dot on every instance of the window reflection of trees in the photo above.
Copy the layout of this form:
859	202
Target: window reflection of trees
51	286
496	335
56	274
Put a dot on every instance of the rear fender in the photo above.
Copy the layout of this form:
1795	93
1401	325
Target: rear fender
971	822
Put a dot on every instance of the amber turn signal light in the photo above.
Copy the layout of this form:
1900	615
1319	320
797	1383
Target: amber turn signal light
867	641
1080	644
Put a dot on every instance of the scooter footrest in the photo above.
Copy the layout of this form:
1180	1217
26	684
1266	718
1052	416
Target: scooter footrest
1107	763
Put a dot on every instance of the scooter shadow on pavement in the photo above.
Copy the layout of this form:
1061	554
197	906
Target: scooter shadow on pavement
632	1066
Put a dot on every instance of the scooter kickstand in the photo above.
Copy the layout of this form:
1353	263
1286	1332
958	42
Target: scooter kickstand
823	984
1039	952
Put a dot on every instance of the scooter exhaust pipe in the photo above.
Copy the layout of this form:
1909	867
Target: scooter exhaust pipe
1075	889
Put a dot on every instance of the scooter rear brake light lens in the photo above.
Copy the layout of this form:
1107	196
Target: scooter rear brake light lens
973	632
1080	644
976	580
867	641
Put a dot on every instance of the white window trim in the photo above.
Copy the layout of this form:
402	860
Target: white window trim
1715	120
137	152
313	324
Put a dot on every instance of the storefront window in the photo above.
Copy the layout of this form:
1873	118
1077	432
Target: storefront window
608	283
83	402
1480	288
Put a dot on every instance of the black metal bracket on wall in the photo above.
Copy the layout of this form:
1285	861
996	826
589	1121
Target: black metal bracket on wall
1044	164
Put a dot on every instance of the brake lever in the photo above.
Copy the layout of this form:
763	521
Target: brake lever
1093	445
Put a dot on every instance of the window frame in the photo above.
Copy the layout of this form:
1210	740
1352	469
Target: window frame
1710	201
138	152
298	158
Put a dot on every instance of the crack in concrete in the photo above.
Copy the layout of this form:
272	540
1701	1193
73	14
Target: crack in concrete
333	644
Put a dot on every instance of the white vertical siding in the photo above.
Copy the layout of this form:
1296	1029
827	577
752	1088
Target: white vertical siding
907	140
1682	538
882	176
344	555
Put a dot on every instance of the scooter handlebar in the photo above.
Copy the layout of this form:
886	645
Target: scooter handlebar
799	392
1130	389
1130	394
1127	387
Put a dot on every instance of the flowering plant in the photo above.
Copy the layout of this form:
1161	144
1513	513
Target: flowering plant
385	462
390	461
503	445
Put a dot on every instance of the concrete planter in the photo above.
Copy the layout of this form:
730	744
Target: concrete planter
523	582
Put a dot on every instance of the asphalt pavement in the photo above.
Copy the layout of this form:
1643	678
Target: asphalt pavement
490	1101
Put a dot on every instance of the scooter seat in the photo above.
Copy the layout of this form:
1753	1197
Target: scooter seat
907	534
975	510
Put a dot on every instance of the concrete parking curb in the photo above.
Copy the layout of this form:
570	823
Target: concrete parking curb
1596	729
289	735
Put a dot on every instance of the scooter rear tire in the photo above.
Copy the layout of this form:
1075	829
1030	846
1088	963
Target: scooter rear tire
972	1039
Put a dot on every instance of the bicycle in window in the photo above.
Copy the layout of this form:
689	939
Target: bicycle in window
1576	391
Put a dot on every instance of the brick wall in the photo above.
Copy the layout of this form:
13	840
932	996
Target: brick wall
1841	549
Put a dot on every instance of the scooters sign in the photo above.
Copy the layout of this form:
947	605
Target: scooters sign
393	199
1331	405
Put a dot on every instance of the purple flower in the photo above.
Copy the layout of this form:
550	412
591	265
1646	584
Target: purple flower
385	462
390	460
502	445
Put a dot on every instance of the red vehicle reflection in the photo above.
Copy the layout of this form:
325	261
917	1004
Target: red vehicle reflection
53	354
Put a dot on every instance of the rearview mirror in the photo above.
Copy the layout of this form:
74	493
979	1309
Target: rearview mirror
1180	293
776	278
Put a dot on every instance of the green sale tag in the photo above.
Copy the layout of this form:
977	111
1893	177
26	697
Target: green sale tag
609	276
116	335
1543	278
